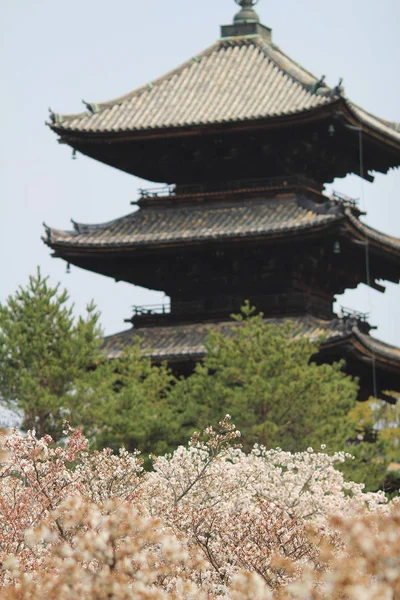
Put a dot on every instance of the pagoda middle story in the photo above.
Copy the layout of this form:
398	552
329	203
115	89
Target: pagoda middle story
246	139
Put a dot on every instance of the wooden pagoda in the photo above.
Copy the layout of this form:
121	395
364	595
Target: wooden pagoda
245	139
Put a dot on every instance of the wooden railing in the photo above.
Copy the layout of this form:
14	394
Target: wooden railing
221	186
152	309
349	313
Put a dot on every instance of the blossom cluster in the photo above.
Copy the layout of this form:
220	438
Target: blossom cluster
209	521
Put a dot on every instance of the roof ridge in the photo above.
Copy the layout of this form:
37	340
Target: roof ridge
272	52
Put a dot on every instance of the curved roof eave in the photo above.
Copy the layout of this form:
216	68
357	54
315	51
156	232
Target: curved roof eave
376	349
388	129
277	120
364	232
75	241
389	132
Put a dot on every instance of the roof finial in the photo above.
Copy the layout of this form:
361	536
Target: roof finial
247	14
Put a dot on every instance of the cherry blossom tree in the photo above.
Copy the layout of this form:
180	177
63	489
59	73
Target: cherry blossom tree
209	521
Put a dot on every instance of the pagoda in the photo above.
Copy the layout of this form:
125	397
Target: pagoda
244	140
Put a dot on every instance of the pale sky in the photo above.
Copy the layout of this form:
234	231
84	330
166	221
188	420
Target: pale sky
54	54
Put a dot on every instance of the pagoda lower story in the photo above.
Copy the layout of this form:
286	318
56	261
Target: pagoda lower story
374	363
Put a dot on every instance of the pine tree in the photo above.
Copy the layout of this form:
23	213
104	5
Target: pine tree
131	408
47	356
264	377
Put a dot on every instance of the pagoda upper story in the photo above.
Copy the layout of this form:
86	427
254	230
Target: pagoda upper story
280	243
241	109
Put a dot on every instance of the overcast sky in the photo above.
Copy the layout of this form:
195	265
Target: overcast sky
54	54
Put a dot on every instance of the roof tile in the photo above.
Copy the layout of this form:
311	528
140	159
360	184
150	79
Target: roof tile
210	221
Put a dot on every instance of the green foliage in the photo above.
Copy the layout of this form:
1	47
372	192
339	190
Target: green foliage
131	409
376	444
52	367
263	377
46	356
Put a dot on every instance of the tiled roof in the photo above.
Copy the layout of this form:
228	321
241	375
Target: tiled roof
233	80
238	79
177	342
187	342
175	223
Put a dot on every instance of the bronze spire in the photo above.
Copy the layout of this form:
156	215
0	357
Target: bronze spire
247	14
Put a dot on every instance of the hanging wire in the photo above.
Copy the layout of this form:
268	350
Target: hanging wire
367	251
